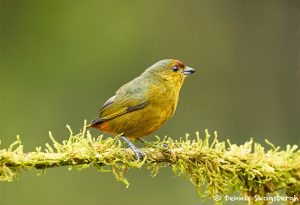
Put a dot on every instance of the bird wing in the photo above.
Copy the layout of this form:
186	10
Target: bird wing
127	99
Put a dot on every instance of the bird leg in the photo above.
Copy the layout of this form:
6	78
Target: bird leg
137	151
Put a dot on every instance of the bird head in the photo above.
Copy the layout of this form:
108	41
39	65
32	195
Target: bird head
170	70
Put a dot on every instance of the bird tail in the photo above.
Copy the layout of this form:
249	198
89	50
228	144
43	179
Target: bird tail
96	121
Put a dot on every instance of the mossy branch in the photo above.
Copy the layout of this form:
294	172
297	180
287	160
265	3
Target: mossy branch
214	167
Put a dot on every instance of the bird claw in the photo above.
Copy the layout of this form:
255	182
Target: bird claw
165	146
138	153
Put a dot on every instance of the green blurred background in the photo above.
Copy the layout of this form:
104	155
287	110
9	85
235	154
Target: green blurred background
60	60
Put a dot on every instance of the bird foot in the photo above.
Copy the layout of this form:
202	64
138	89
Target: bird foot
138	153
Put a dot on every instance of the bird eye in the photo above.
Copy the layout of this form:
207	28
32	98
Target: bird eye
175	68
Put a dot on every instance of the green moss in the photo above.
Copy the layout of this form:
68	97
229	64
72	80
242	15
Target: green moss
214	167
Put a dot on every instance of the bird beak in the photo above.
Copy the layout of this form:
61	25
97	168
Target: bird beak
188	71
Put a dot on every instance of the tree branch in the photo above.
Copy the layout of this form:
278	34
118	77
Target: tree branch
214	167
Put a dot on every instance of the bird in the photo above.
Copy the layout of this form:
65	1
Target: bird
141	106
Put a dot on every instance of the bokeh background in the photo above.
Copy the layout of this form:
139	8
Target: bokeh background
60	60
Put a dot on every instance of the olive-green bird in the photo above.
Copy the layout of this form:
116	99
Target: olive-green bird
141	106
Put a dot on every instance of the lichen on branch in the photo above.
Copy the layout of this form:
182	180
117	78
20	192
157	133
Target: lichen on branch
213	166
